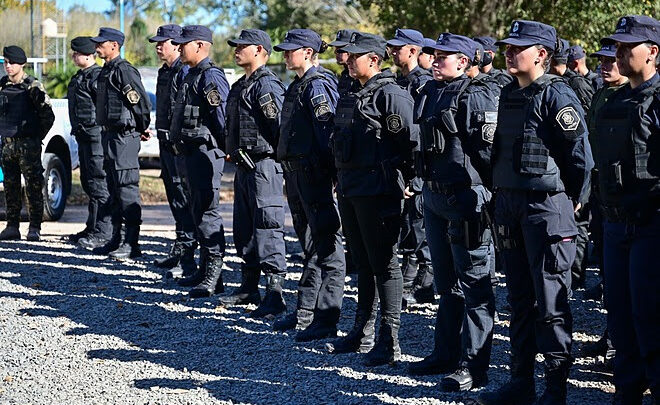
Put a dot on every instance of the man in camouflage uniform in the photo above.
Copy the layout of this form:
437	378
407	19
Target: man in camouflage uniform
26	117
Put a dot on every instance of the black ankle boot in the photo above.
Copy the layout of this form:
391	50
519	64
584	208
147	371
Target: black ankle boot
520	390
129	248
111	244
173	256
556	377
360	339
298	319
212	282
387	349
273	302
187	265
248	291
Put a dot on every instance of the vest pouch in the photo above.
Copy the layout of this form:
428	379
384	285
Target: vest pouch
534	156
193	136
342	146
447	118
4	102
190	116
432	139
641	164
115	108
248	134
613	178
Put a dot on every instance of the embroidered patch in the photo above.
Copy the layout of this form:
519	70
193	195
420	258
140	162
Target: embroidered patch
268	106
322	112
488	132
265	99
320	99
394	123
133	96
568	119
213	98
490	117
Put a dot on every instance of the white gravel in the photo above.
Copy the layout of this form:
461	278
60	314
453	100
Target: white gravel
76	328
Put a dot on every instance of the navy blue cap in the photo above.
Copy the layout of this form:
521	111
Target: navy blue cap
453	43
363	42
561	55
428	43
252	37
606	50
300	38
527	33
83	45
165	32
634	29
343	38
404	36
194	33
14	54
576	52
109	34
488	43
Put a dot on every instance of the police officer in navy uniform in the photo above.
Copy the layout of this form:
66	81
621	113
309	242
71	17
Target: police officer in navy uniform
197	131
26	116
253	124
577	62
490	49
541	165
425	59
372	143
457	118
303	149
405	48
346	83
122	108
579	84
180	259
81	95
329	74
627	131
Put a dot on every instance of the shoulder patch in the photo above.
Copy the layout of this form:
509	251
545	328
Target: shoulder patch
268	106
568	119
213	98
394	123
322	111
488	132
490	117
131	94
319	99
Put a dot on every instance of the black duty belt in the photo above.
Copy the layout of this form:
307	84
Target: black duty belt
438	187
293	165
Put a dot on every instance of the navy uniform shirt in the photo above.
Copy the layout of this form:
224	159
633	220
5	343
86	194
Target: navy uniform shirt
128	76
215	121
346	83
414	81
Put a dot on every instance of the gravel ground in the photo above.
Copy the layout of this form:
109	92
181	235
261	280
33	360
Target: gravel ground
76	328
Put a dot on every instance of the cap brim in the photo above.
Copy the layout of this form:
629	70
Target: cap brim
180	40
446	48
516	42
396	42
352	48
607	54
99	40
238	41
156	38
338	43
287	46
429	49
625	38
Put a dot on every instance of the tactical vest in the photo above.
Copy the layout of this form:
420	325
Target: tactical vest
82	107
296	133
242	128
357	140
18	116
190	109
111	109
345	83
413	81
164	89
443	159
521	159
623	132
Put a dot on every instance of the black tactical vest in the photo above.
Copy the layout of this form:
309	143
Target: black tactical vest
521	159
18	116
82	106
191	108
111	109
242	128
296	132
345	83
164	96
357	140
622	133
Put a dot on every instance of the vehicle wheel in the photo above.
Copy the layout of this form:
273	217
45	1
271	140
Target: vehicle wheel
55	190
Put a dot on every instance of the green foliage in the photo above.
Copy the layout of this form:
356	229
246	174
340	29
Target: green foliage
57	81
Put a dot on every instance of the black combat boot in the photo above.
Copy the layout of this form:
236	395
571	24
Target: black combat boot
387	349
129	248
111	244
320	328
273	302
196	277
360	339
248	291
77	236
556	376
187	265
34	233
462	380
520	389
212	282
11	232
419	293
298	319
173	256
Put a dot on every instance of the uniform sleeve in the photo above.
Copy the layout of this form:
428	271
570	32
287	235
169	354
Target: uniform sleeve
94	83
477	121
583	91
134	93
654	139
268	99
215	88
398	122
571	142
41	103
321	101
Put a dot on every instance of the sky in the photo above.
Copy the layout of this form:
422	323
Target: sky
91	5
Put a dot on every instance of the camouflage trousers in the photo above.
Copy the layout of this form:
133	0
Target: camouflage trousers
23	156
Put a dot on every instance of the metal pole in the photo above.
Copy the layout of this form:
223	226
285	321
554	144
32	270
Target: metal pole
32	28
121	24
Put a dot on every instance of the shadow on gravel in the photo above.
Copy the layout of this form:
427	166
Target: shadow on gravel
223	351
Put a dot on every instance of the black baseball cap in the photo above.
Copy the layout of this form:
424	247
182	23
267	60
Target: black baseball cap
488	43
561	55
527	33
405	36
343	38
252	37
606	50
191	33
453	43
362	42
165	32
633	29
109	34
575	52
300	38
